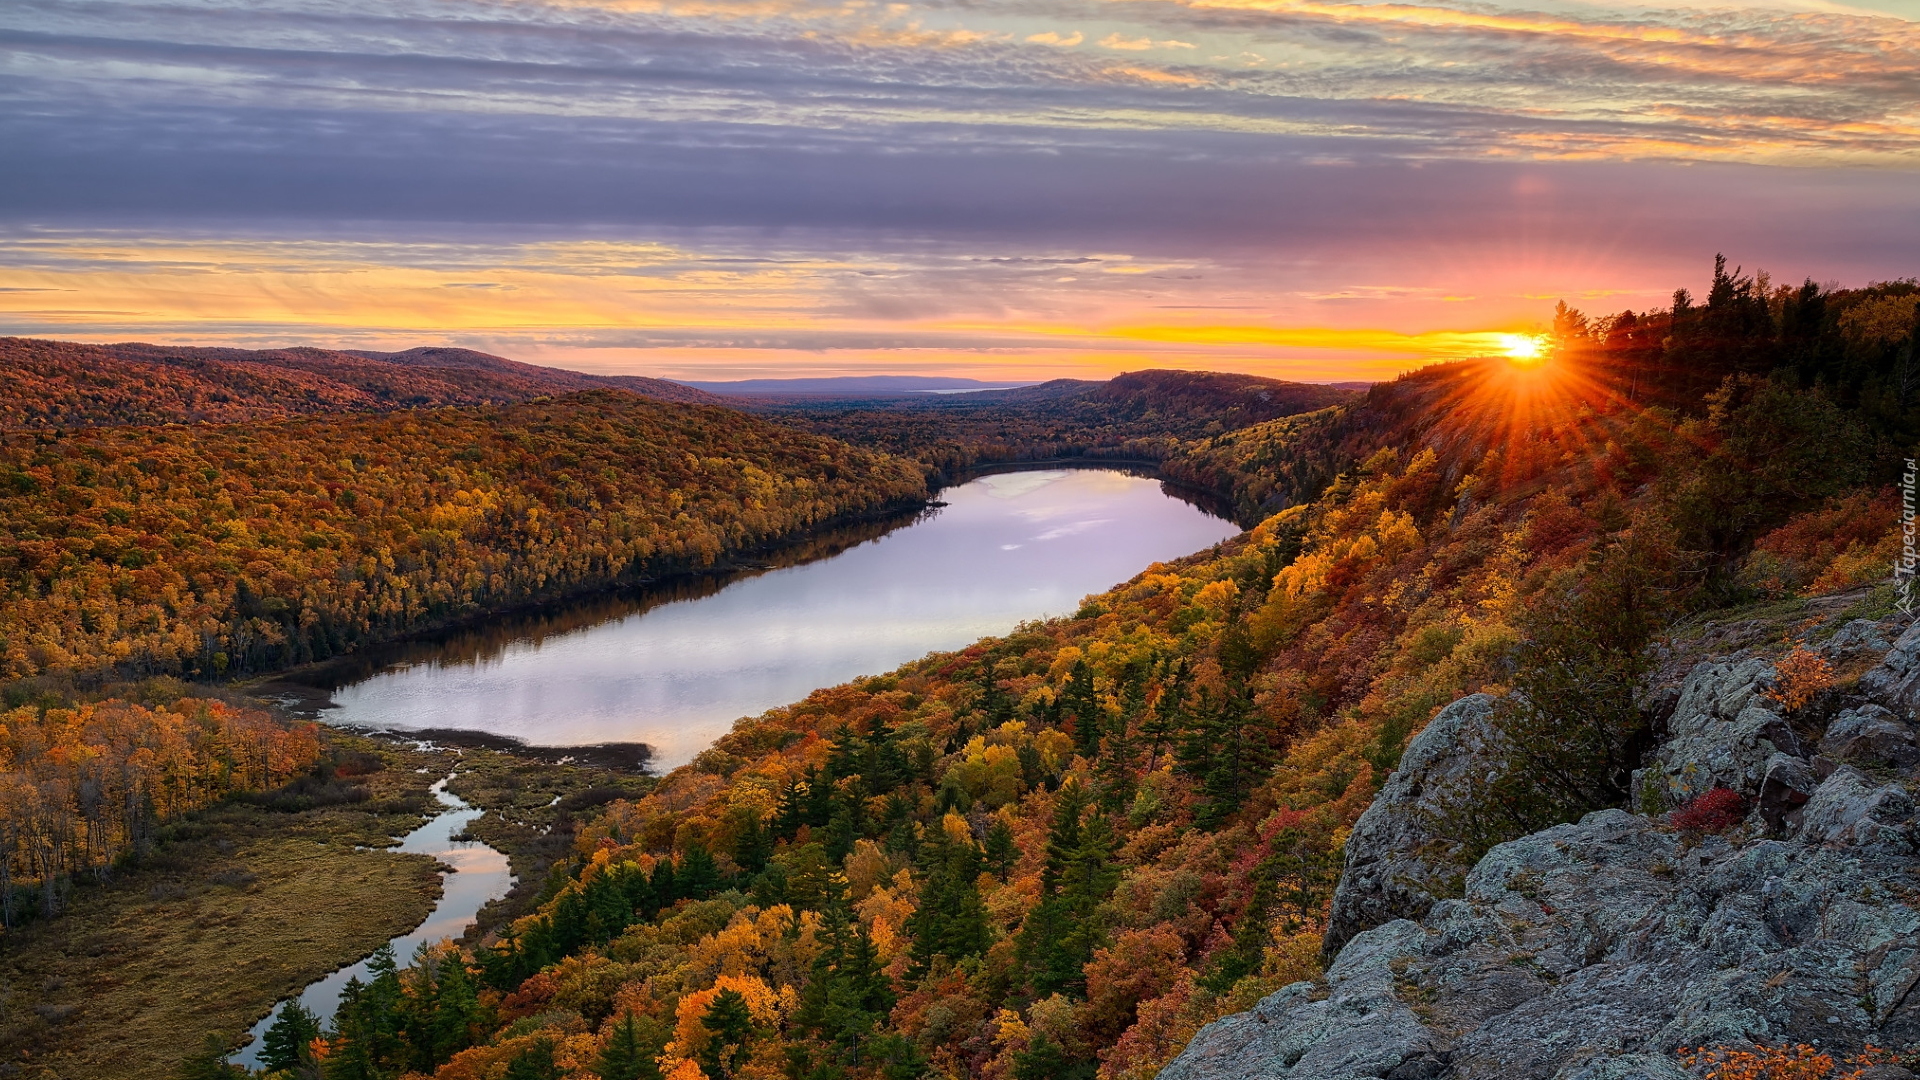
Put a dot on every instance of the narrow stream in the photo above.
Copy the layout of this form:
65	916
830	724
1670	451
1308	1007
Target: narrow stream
479	874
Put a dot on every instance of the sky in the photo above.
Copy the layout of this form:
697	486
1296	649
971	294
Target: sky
1002	189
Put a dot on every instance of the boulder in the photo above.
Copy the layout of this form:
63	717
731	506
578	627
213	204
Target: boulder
1858	636
1787	786
1596	950
1723	733
1353	1026
1871	736
1396	865
1895	681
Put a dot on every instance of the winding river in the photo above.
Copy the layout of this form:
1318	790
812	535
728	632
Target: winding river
476	874
673	667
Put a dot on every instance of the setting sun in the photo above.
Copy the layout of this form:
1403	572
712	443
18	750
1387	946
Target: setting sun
1523	348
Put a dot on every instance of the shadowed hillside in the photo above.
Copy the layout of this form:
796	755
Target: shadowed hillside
1142	415
54	384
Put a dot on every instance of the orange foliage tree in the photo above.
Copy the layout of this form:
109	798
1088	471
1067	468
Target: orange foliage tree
82	785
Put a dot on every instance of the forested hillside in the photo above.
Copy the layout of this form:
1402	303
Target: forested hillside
55	384
1141	415
214	550
1061	852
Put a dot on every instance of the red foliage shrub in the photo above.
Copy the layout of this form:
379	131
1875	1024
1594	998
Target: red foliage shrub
1716	811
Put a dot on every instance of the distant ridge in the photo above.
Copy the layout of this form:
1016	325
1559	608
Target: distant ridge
57	384
854	385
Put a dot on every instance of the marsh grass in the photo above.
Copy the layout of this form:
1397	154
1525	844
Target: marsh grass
240	905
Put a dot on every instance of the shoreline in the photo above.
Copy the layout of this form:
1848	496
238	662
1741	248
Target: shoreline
305	691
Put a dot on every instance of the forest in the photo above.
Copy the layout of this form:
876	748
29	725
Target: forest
1140	416
86	783
1060	852
216	550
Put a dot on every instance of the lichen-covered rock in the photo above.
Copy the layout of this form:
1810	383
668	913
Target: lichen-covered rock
1858	636
1722	733
1871	736
1895	681
1355	1026
1395	865
1596	950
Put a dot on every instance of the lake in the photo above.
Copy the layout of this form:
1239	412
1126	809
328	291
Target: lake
675	667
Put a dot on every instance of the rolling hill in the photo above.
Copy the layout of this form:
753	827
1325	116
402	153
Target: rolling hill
63	384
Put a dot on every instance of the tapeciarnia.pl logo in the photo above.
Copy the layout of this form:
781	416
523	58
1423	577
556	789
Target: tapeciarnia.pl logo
1903	567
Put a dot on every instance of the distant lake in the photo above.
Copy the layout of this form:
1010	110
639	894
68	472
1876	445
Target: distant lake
675	667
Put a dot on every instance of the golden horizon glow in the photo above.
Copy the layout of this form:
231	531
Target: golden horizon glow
679	311
1523	348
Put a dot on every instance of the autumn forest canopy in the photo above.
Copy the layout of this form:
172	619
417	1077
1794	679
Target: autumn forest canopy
1056	853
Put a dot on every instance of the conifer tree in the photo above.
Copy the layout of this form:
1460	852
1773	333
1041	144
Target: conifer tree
289	1039
698	876
632	1051
729	1027
1002	852
210	1063
1079	705
665	888
752	844
951	920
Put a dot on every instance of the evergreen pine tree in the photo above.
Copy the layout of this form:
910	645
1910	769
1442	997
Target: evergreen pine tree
1001	850
1041	1060
951	920
698	876
666	889
752	844
456	1011
289	1040
729	1027
639	890
632	1051
1079	705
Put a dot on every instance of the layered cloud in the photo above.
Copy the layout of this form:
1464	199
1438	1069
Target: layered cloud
965	182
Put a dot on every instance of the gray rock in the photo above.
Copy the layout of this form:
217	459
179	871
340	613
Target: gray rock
1895	681
1631	1067
1596	950
1721	734
1850	808
1858	636
1871	736
1395	865
1788	784
1355	1026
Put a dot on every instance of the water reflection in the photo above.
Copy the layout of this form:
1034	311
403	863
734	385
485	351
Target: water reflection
675	667
479	873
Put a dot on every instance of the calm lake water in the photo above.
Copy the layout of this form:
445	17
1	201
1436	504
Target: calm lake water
675	669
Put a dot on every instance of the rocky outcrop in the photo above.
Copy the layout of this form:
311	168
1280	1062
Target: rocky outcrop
1870	736
1600	948
1895	681
1722	733
1395	864
1596	950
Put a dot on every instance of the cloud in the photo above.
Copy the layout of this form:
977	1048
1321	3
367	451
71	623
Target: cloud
756	182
